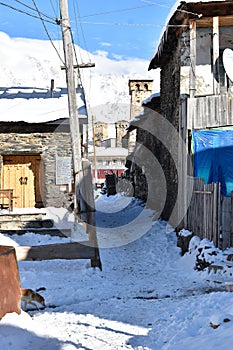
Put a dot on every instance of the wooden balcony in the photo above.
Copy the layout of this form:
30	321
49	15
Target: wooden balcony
210	111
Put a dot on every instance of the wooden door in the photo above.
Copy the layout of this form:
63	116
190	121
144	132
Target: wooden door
21	173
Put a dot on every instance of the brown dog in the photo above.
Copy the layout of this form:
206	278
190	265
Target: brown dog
28	296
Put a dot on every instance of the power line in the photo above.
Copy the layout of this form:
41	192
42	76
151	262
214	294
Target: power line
85	46
76	58
81	28
130	24
155	4
179	10
115	11
54	11
26	13
42	20
31	8
56	21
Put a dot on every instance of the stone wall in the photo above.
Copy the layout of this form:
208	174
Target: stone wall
139	90
101	132
120	131
170	102
49	141
149	180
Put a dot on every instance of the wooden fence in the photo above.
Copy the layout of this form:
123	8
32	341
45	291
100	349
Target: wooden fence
210	215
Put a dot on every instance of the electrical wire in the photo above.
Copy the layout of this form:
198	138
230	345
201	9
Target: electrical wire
179	10
26	13
155	4
46	31
131	24
94	23
115	11
79	43
54	11
31	8
81	72
57	15
76	58
75	3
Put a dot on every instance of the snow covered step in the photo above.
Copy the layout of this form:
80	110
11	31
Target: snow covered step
43	231
21	216
18	221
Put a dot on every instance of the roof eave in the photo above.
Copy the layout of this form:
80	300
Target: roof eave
178	22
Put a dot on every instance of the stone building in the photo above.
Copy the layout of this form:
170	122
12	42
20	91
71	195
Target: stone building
31	157
139	90
114	131
139	163
101	132
121	131
108	160
35	147
195	96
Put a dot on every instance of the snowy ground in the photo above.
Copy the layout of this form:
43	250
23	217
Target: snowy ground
147	297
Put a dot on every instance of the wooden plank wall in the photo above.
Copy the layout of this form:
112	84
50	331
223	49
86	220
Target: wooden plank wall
210	215
227	221
210	111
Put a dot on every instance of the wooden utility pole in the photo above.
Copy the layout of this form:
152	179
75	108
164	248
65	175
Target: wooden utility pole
72	100
84	197
94	149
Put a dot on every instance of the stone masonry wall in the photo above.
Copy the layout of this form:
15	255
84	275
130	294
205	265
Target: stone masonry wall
170	101
147	181
46	140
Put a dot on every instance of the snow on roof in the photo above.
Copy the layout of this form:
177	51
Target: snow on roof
36	105
175	8
110	152
150	98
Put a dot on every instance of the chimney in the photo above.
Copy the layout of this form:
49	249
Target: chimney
52	87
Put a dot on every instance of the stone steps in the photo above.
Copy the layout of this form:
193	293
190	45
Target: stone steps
44	231
25	220
20	223
17	224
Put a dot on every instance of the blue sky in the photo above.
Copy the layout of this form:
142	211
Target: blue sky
123	28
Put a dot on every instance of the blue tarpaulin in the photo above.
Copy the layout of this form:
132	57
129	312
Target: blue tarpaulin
213	157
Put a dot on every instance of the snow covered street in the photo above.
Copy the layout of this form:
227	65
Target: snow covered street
147	297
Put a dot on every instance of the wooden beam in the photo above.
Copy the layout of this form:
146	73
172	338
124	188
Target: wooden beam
216	55
205	22
192	73
81	65
68	251
88	212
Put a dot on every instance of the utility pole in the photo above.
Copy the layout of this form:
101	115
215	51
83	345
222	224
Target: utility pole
72	100
94	149
84	197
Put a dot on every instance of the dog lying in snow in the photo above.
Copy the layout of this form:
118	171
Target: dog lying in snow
28	296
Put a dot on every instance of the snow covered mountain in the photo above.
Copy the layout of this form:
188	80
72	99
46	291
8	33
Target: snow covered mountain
33	63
